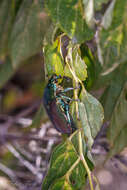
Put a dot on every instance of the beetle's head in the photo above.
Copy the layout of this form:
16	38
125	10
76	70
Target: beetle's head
54	78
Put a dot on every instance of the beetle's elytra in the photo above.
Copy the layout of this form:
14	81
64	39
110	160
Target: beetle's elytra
57	106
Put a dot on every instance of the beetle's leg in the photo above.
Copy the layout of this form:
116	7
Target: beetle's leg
64	97
68	116
65	106
67	98
66	110
69	89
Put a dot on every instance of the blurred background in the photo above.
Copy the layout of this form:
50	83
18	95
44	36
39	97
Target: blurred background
27	137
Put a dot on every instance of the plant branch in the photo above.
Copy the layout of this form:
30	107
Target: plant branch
81	156
97	182
84	161
72	167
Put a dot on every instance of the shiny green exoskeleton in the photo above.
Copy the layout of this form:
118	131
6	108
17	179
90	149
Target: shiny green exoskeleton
57	106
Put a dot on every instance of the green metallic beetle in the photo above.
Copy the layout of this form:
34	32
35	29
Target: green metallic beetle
57	106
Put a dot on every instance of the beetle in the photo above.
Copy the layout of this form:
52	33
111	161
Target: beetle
57	105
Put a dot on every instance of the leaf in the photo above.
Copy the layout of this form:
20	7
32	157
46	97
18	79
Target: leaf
77	63
53	59
62	158
6	18
91	116
93	68
89	12
86	152
49	35
80	66
117	131
6	72
27	33
111	94
78	177
68	16
85	124
107	18
61	184
113	41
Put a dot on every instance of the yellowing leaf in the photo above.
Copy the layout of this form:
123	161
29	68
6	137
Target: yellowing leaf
53	59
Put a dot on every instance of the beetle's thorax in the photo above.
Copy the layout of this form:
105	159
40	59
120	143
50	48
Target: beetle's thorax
54	89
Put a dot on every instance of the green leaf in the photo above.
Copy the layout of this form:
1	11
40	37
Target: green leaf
93	67
6	72
78	177
53	59
77	63
69	17
6	18
91	116
27	33
61	184
86	152
117	131
62	159
111	94
113	41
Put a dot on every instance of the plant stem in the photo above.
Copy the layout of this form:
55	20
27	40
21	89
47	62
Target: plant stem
88	171
80	143
81	156
73	134
97	182
76	97
84	161
72	167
